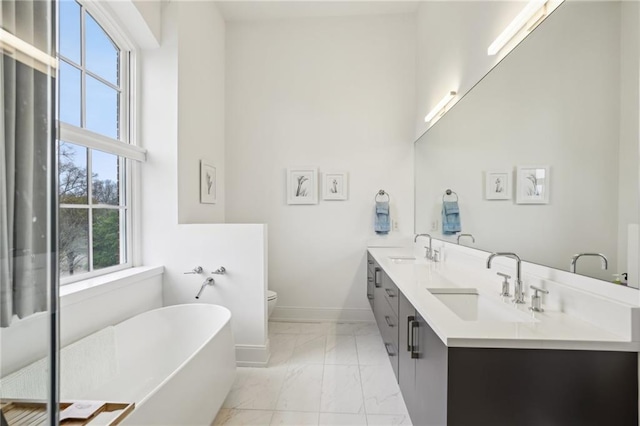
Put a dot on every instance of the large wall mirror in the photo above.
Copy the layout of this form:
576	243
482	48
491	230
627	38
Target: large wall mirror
543	152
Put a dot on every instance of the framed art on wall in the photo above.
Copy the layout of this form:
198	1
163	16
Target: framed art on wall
498	185
335	186
207	183
302	185
533	185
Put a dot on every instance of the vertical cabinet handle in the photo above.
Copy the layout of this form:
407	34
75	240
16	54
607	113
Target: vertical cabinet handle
413	326
410	320
377	278
388	347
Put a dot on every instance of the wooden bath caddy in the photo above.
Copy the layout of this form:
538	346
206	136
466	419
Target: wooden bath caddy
23	412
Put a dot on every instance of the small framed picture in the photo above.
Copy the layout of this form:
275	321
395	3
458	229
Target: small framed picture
498	185
335	186
207	183
533	185
302	185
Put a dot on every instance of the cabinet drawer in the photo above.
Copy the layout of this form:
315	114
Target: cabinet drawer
388	325
370	262
391	293
370	287
392	352
380	308
385	317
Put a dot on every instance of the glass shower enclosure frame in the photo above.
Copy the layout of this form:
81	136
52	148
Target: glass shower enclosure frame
29	322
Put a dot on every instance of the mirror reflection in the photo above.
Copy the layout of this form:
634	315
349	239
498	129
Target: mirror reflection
542	154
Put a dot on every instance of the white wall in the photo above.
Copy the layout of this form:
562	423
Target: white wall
151	11
139	20
200	108
240	248
336	93
453	37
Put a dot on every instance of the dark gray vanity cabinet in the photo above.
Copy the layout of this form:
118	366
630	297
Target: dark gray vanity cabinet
465	386
406	356
422	368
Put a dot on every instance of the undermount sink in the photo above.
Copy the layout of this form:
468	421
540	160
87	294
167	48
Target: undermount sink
402	259
471	306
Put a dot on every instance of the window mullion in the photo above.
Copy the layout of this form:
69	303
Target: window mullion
69	61
83	75
101	80
125	222
90	201
125	96
74	206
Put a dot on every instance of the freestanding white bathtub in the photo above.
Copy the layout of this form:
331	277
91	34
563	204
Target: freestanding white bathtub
176	363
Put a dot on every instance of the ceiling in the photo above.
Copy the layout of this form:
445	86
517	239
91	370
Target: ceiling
240	10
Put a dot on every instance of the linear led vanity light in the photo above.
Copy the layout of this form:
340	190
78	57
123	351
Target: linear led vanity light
9	40
515	26
441	105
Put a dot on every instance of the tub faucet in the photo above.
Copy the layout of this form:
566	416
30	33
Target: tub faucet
428	255
518	296
574	260
208	281
466	235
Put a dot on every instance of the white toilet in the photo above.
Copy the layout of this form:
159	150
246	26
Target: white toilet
272	299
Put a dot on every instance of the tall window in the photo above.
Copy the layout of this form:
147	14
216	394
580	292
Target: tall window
93	161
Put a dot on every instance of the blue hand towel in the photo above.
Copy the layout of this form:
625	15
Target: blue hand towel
450	217
382	225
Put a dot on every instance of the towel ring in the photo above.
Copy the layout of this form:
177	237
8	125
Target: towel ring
382	193
449	192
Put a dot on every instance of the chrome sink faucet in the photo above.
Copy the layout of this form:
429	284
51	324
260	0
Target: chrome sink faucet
518	296
574	260
429	252
466	235
420	235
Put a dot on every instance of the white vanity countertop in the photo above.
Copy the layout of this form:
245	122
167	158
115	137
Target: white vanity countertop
550	330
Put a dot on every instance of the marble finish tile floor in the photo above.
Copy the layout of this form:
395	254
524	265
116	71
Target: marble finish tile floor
319	374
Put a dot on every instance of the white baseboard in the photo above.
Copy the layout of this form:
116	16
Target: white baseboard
252	355
300	314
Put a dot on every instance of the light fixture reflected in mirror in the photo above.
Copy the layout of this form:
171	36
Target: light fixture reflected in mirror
534	9
438	111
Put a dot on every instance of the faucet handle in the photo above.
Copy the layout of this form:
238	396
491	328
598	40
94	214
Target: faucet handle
427	252
196	270
505	285
220	271
536	299
538	289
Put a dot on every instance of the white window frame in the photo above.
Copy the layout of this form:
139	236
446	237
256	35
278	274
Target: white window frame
125	148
